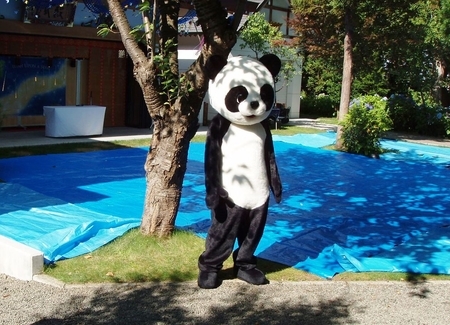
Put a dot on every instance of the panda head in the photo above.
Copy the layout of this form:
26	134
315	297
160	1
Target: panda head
242	89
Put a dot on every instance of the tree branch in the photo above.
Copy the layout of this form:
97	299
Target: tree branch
121	22
240	9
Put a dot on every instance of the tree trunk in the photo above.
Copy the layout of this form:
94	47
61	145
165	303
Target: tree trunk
175	120
165	169
347	77
441	92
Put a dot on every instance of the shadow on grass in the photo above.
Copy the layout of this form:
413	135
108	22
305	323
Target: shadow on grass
14	152
171	303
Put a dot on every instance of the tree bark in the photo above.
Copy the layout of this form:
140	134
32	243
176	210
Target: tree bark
441	93
347	77
175	120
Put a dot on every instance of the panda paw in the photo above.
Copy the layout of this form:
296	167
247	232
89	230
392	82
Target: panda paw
212	199
208	280
252	276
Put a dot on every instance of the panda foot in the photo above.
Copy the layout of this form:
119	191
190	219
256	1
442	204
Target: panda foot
252	276
208	280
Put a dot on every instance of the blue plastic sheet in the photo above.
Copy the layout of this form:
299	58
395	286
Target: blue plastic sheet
340	212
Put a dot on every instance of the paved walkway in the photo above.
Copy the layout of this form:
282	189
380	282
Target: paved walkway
36	136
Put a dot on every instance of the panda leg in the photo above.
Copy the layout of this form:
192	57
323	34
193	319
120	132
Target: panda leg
219	242
249	236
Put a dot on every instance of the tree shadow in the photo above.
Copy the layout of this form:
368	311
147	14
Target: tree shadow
418	283
264	265
172	303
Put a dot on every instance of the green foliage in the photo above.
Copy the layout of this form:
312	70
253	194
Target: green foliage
369	82
172	85
262	38
318	106
364	125
319	80
426	119
139	31
257	34
402	111
433	121
104	29
395	44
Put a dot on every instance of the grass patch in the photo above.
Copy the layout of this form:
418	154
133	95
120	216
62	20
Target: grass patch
79	147
293	130
136	258
69	148
328	120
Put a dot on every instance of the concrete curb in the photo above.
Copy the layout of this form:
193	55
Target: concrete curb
19	260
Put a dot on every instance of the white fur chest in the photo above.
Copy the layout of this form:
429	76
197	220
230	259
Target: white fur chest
244	174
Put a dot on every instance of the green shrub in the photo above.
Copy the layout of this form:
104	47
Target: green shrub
364	125
318	106
403	112
433	121
427	119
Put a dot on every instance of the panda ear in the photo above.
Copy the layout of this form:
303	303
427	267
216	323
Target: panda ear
213	65
272	63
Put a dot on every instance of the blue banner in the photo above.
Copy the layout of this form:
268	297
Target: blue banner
29	83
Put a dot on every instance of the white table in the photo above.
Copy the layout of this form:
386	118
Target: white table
72	121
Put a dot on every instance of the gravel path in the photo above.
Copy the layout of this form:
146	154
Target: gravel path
235	302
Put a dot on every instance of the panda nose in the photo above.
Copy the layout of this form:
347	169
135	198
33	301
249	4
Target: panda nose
254	104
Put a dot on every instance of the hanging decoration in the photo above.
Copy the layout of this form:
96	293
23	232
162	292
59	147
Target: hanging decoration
50	12
187	23
100	8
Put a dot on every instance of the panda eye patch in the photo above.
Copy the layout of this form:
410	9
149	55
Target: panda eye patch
235	96
267	95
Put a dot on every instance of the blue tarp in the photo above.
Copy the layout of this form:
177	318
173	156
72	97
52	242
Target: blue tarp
340	212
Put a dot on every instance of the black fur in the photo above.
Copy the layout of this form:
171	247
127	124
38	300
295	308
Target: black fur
272	63
213	161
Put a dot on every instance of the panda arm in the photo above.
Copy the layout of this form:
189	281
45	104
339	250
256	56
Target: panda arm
213	161
271	164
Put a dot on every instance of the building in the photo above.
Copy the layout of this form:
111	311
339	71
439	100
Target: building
50	54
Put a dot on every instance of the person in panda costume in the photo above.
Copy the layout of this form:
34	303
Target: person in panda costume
240	166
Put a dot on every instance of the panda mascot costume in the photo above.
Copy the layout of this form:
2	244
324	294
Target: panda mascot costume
240	167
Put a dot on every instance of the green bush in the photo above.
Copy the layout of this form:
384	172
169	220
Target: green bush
364	125
403	112
427	119
318	106
433	121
